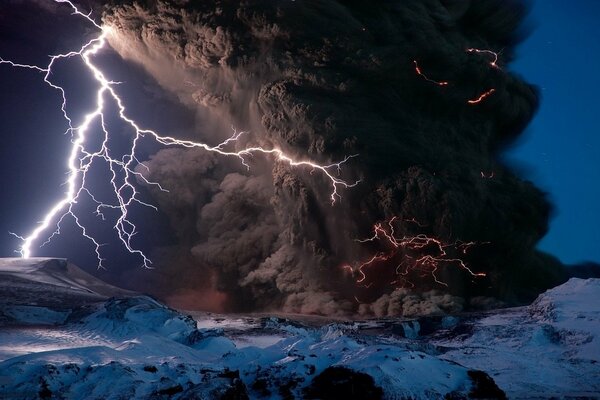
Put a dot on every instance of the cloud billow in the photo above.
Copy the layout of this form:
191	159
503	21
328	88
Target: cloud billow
326	79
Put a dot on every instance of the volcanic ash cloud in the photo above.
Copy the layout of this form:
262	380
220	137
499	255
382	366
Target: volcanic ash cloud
395	83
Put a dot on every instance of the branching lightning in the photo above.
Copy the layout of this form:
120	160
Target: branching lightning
413	255
420	255
123	170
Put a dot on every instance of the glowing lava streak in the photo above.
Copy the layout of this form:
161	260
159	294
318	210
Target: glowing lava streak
413	254
475	100
493	64
493	54
419	72
481	97
123	169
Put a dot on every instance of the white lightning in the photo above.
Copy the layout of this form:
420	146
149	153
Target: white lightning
123	169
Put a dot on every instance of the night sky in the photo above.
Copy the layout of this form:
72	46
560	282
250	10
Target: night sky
558	153
560	150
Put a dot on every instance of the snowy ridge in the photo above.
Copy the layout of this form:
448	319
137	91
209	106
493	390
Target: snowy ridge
57	272
137	348
550	349
45	291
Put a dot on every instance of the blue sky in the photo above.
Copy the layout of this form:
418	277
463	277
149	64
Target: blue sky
561	148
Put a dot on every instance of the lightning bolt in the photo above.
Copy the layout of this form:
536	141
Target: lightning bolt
122	170
481	97
420	73
420	254
493	54
493	63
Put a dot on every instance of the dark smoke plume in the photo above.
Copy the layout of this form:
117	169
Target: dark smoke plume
323	79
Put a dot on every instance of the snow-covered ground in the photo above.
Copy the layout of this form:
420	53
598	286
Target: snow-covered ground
45	290
550	349
82	344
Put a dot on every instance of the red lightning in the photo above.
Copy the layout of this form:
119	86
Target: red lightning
481	97
123	170
421	254
494	55
493	63
419	72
